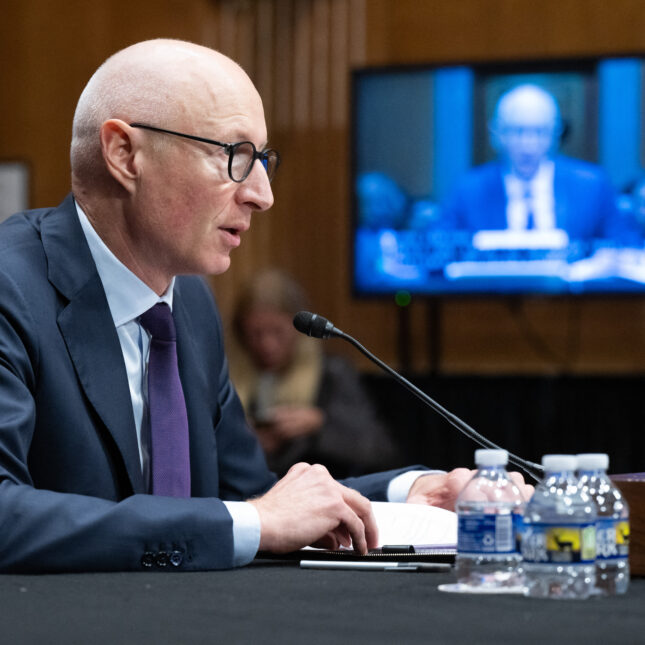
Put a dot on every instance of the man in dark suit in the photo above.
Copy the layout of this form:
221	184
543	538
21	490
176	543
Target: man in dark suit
529	186
148	207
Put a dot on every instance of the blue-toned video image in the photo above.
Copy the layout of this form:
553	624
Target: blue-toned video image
515	178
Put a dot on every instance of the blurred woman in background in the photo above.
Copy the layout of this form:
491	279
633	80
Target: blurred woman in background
304	405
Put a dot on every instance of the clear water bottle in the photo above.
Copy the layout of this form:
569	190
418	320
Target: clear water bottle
612	525
559	539
489	511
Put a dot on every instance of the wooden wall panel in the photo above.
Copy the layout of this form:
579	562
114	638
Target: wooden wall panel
299	53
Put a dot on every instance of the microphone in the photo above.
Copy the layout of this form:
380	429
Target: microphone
315	326
318	327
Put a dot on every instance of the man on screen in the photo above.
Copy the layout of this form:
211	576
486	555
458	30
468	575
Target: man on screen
97	470
530	187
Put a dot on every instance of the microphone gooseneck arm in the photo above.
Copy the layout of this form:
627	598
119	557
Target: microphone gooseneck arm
319	327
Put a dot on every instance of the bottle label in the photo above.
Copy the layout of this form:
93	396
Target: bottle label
612	539
518	530
559	543
485	533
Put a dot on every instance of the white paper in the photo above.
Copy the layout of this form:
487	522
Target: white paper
415	524
553	238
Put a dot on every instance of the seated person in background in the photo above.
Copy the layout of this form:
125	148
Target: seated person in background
529	186
381	202
304	405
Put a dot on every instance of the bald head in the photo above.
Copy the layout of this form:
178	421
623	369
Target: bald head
159	82
525	128
163	204
527	104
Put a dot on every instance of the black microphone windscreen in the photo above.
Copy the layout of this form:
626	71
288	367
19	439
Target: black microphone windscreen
320	327
314	325
302	321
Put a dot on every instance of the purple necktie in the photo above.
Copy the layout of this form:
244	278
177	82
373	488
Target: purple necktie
170	453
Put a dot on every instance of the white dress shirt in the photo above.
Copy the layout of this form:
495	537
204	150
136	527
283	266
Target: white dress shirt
535	196
128	297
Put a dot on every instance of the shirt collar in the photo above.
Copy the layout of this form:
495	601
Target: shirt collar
542	179
128	297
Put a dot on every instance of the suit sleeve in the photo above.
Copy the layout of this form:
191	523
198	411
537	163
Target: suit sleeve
375	485
52	531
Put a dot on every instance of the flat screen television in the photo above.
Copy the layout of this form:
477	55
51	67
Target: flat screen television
459	187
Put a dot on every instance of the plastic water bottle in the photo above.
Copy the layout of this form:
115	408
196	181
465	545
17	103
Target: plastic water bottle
489	511
559	538
612	525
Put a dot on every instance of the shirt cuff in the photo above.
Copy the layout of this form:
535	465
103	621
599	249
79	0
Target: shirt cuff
399	487
246	531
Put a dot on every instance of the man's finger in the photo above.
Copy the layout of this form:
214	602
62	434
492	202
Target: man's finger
517	478
296	470
363	510
371	528
327	541
356	529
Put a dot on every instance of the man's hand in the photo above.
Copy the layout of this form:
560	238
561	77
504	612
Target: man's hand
526	490
289	421
308	507
441	490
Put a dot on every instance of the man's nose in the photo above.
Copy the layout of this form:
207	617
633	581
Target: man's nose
256	189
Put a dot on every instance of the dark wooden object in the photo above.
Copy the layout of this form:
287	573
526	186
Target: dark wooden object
632	487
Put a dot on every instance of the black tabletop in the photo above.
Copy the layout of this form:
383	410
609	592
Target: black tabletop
275	602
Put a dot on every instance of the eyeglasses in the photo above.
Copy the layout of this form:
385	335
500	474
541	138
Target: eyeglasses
538	132
241	155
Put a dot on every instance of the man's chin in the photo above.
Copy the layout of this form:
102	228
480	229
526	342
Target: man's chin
221	267
526	172
215	265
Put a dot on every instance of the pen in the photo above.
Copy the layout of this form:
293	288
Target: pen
374	566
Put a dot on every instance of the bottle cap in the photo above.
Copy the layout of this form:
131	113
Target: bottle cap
559	462
489	457
593	461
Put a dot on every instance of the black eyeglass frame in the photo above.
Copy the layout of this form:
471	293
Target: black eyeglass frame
230	148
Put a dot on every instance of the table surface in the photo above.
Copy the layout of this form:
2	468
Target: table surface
276	602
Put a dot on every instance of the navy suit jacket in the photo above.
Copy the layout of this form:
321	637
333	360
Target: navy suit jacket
72	495
584	200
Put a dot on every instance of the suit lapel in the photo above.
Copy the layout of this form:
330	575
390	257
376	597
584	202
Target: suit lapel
203	460
89	333
498	201
561	198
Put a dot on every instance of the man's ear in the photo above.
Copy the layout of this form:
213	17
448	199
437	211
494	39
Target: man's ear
118	149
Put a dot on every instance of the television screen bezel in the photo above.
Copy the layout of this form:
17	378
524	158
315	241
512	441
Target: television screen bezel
532	64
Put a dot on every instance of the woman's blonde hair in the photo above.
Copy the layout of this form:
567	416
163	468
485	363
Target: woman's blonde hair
270	288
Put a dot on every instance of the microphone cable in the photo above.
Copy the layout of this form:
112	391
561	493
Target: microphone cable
318	327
